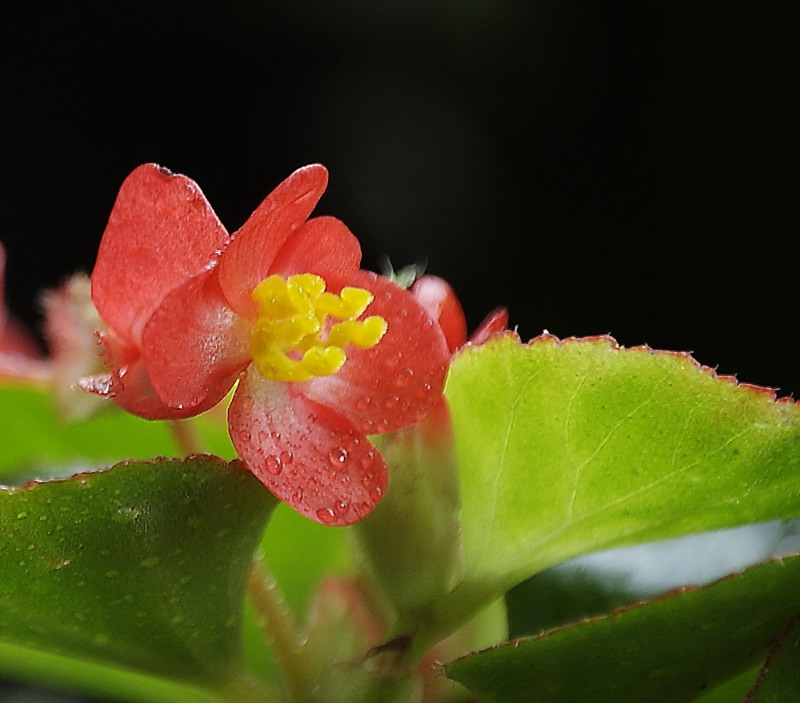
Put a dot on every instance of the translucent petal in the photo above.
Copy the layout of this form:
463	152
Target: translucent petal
308	455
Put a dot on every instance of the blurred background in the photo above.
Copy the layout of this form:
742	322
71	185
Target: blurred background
625	167
629	168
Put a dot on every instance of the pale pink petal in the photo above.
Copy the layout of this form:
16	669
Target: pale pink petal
308	455
396	382
249	257
323	246
161	231
440	301
194	345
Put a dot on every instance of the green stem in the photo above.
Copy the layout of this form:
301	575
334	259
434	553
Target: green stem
280	628
186	437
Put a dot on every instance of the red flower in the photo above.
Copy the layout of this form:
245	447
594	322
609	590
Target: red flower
19	356
279	307
441	302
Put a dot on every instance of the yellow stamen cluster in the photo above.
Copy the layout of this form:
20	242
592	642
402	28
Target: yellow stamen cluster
292	340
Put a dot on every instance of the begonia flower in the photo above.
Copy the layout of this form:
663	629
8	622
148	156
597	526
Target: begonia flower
441	302
20	360
70	322
324	352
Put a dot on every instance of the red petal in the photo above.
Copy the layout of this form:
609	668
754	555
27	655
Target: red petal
396	382
494	323
440	301
127	384
248	258
323	246
194	345
161	231
308	455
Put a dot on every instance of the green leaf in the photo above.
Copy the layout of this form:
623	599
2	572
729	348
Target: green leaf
90	678
142	565
779	680
569	447
37	444
666	650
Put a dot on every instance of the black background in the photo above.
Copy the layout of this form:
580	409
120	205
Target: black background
599	167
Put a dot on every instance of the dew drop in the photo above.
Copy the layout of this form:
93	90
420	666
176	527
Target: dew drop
381	426
367	460
375	493
391	402
337	456
327	515
424	392
297	496
366	480
363	403
287	457
344	479
244	435
343	507
273	465
404	378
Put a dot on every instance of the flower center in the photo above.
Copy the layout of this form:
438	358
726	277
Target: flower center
293	340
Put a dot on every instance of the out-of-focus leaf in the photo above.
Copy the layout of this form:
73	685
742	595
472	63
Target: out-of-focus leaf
142	565
87	678
779	680
667	650
568	447
35	443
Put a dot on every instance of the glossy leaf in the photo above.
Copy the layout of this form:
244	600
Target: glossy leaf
142	565
667	650
779	680
570	447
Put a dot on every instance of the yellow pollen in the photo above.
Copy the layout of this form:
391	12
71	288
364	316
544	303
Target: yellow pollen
292	339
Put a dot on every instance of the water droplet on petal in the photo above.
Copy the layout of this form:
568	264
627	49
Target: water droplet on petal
244	435
363	403
273	465
297	496
343	507
337	456
327	515
391	402
404	378
375	493
287	457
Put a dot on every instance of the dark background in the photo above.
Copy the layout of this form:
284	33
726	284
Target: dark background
599	167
